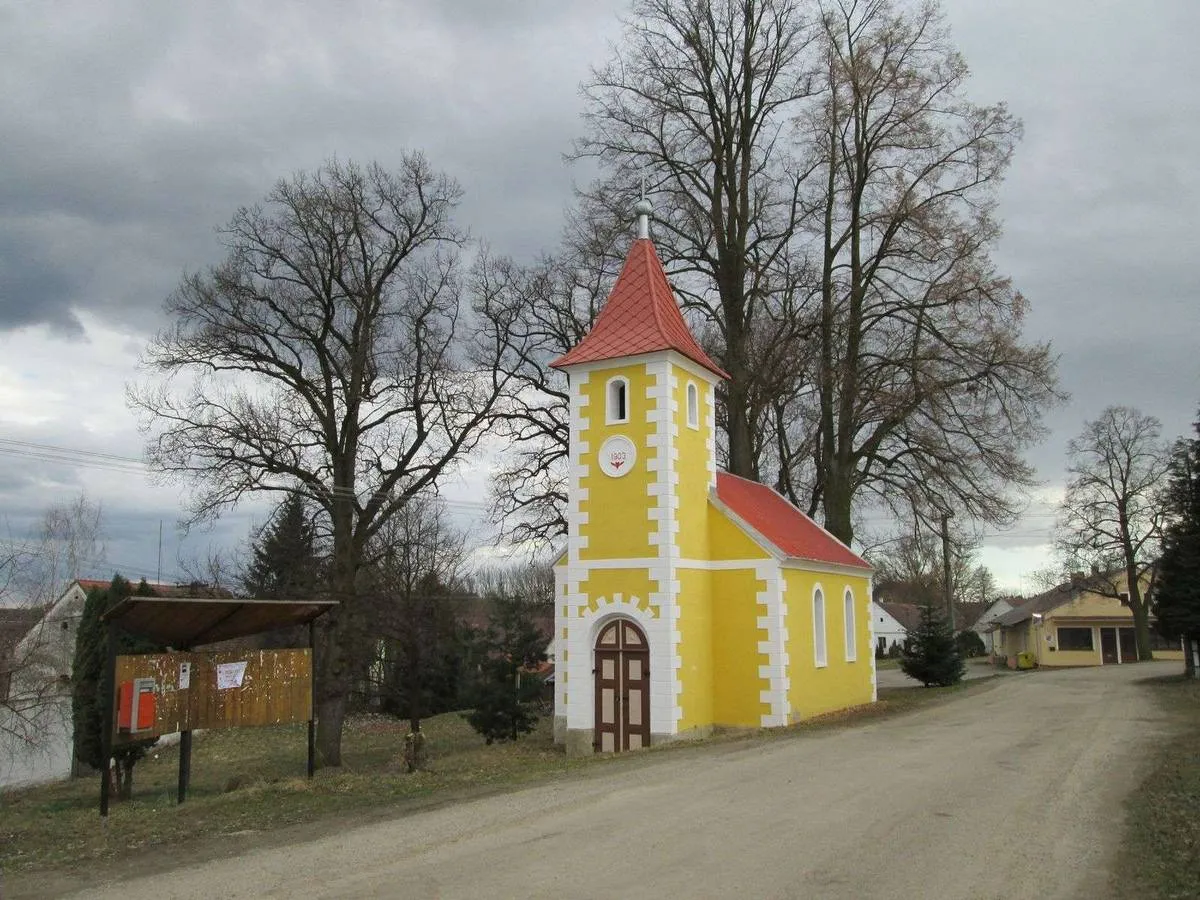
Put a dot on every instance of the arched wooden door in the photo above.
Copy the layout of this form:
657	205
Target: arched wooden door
622	688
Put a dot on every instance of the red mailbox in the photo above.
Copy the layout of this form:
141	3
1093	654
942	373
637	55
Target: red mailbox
136	705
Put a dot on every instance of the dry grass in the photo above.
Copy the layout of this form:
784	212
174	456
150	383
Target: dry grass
253	780
1161	853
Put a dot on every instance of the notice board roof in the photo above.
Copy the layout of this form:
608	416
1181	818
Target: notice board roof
184	622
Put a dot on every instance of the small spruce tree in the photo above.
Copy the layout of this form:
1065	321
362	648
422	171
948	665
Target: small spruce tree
91	684
505	698
931	654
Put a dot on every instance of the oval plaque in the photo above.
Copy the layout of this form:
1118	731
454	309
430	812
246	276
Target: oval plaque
617	456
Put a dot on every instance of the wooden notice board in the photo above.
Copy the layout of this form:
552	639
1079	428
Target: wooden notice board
225	689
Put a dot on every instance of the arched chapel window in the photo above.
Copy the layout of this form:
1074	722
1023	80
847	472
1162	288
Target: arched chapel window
693	405
848	620
820	655
617	410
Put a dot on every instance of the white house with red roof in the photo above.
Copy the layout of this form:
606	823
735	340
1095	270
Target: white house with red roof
687	598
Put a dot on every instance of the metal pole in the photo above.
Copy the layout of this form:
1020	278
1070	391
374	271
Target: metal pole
312	695
108	680
946	583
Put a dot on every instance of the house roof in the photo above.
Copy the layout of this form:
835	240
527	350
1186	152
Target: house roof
641	316
907	614
1051	599
966	614
782	525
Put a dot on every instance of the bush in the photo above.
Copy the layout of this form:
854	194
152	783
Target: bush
932	655
969	644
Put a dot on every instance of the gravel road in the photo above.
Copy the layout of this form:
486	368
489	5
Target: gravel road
1014	791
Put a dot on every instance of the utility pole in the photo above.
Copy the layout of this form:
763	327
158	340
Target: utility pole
946	584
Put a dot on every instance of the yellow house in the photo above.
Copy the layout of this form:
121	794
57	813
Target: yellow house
687	598
1075	624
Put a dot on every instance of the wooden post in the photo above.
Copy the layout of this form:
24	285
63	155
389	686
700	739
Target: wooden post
185	736
109	678
185	764
312	695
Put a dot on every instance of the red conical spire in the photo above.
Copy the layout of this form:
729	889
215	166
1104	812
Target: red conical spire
641	316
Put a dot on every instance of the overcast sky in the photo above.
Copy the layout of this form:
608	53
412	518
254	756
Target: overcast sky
130	130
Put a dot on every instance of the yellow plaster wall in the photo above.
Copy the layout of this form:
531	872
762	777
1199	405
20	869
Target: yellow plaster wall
629	583
1093	606
618	526
1070	658
838	684
691	445
1015	639
735	657
728	541
695	648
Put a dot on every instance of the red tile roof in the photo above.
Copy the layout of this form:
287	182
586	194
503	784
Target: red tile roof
641	316
788	529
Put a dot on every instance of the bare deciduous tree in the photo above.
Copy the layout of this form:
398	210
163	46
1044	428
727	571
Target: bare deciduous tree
334	351
35	657
926	395
826	207
698	100
909	569
414	577
1112	517
554	304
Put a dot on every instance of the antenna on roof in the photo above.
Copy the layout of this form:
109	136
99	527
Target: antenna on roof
642	209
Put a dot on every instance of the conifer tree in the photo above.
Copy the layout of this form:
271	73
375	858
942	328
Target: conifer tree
505	705
92	684
286	565
932	655
1177	594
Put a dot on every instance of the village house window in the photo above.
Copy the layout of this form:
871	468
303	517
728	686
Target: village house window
617	412
821	658
848	619
693	405
1075	639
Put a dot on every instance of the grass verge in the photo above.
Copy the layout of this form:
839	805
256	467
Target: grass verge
1160	857
248	786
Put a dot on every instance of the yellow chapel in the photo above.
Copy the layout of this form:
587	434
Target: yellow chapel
686	598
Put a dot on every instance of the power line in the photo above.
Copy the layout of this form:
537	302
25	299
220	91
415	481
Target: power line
127	464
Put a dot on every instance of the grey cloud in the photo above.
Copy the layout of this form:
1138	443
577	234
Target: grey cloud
122	162
133	129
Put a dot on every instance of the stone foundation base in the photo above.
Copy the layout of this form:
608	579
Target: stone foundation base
698	733
560	729
579	741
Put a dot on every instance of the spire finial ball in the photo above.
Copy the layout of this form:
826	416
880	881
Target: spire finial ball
643	207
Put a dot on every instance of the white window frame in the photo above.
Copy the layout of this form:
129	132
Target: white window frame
609	400
693	405
849	622
820	644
